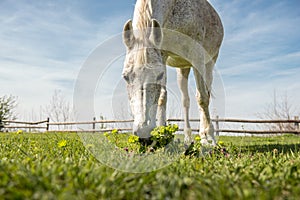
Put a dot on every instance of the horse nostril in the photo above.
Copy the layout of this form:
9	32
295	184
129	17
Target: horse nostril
135	130
145	141
135	133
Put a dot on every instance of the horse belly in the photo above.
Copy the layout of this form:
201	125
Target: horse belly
177	61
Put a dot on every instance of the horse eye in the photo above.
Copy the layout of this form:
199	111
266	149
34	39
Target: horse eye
160	76
126	78
129	77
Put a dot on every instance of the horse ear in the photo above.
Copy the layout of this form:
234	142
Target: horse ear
128	37
156	34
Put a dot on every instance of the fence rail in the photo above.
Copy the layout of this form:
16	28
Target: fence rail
46	125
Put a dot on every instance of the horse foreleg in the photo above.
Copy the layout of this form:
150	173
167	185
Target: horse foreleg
162	100
162	107
182	78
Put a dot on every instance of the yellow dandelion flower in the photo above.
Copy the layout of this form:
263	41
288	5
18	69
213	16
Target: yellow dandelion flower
115	131
221	143
62	143
133	139
197	138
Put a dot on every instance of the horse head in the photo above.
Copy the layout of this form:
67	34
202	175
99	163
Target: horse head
143	72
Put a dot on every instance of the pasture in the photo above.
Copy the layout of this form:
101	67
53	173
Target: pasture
57	166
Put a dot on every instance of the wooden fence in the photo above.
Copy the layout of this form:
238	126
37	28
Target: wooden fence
46	125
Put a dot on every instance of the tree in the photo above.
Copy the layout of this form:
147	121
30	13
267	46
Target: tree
7	109
59	110
280	108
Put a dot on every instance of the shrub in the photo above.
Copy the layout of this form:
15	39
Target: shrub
163	135
160	137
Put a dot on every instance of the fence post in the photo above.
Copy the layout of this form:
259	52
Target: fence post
94	123
217	126
1	125
47	125
296	123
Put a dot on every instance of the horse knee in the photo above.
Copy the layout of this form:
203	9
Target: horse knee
202	101
162	98
161	101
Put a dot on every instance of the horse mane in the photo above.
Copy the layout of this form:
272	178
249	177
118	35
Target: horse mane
142	20
143	16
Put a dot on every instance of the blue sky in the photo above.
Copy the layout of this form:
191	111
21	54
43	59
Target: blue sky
45	43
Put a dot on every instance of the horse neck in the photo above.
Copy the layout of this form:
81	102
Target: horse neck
145	10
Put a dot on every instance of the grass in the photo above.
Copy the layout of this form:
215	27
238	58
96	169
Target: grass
58	166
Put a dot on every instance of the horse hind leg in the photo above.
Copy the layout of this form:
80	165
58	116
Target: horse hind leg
203	98
209	67
182	79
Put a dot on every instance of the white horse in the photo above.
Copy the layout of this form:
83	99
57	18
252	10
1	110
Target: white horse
157	27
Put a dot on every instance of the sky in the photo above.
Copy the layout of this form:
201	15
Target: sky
46	44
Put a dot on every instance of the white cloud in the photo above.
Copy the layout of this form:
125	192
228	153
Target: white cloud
260	53
43	48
